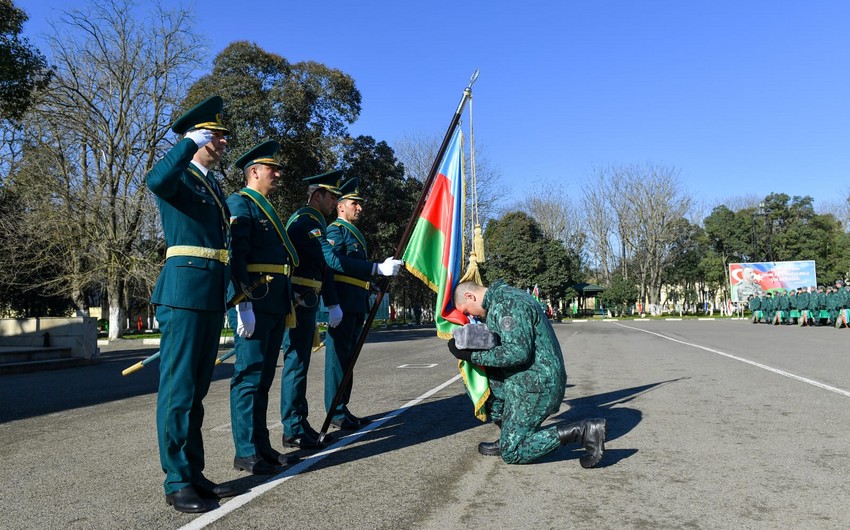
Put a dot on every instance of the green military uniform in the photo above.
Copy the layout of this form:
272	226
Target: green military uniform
260	247
783	305
353	294
814	317
527	374
823	312
794	312
803	306
312	277
768	308
755	306
189	295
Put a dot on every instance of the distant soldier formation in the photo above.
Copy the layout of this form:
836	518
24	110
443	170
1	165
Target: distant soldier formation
813	306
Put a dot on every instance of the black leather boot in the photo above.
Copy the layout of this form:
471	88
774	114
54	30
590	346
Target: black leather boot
590	434
490	448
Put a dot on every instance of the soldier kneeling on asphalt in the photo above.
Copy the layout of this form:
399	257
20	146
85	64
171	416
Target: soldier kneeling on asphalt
517	345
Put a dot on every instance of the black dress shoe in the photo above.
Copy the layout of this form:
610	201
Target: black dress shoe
345	424
490	448
255	465
187	500
208	489
301	441
360	422
277	459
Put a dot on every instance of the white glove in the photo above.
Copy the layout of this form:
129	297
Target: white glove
389	267
201	137
246	321
334	315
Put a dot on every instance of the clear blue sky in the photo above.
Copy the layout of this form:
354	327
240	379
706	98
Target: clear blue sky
743	97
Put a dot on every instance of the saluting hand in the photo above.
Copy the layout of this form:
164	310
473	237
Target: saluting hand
201	137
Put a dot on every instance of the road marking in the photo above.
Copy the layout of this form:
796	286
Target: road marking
431	365
241	500
758	365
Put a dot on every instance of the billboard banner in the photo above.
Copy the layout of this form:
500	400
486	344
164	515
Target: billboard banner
768	276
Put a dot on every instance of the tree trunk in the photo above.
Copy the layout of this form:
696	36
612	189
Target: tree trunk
117	315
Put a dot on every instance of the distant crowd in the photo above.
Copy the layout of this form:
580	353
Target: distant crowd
815	306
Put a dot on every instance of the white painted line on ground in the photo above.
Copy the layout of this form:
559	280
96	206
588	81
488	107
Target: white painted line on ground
430	365
753	363
241	500
610	320
673	319
579	320
705	319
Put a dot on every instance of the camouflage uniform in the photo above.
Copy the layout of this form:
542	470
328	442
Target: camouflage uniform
527	374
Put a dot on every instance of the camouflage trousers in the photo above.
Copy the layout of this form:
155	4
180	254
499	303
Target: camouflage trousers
521	412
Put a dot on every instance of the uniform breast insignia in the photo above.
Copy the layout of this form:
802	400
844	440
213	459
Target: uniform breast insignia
316	232
507	323
265	224
331	242
233	220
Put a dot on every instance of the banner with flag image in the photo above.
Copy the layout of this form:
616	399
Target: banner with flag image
435	256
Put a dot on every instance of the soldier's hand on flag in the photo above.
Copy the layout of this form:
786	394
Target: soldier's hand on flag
201	137
389	267
463	355
246	322
334	315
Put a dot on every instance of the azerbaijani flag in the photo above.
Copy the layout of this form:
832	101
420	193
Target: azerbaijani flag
435	251
536	294
435	256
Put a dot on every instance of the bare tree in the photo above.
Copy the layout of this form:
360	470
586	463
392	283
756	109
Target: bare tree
95	133
631	213
557	216
839	208
600	226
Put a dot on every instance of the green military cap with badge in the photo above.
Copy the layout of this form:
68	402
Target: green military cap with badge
204	115
328	181
262	153
349	190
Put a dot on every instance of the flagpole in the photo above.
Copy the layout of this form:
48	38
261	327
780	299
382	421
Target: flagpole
383	283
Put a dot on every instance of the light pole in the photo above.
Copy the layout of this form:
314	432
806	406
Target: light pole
769	228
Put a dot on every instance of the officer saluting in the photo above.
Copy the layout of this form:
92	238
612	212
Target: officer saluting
190	300
353	293
260	246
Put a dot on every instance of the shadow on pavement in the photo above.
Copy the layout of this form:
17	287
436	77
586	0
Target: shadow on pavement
607	405
433	420
37	393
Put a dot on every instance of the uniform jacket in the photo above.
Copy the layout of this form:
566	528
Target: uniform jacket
317	259
530	356
190	216
347	240
254	240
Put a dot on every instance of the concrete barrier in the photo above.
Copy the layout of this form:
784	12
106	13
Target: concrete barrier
79	334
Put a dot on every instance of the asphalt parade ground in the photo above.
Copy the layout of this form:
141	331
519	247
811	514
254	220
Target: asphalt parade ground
711	424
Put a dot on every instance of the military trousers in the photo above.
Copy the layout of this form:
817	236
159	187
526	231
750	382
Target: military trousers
188	349
253	374
521	413
339	348
297	349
